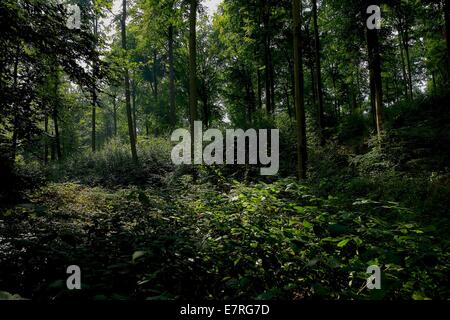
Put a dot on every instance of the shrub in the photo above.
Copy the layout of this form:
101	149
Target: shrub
113	165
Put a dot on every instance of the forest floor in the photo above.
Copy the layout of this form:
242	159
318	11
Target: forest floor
276	241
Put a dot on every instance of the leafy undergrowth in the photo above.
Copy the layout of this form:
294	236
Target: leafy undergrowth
263	241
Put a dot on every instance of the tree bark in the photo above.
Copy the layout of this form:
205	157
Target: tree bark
133	106
16	116
319	90
408	61
299	96
57	141
402	57
94	92
447	32
155	76
115	115
272	82
267	71
192	70
127	86
258	78
46	140
172	107
375	69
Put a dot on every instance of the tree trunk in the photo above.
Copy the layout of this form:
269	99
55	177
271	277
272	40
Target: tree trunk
127	86
94	102
115	115
313	86
155	76
94	92
375	68
53	150
266	20
172	107
447	32
258	77
408	61
299	97
272	82
192	70
46	139
134	107
319	91
57	141
16	116
358	85
402	57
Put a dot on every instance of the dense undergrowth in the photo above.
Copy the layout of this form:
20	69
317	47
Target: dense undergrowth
276	241
150	232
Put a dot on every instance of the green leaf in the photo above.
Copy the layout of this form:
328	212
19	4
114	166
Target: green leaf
344	242
137	255
307	225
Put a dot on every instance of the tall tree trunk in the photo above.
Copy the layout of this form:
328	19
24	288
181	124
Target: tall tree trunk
133	107
292	74
358	85
402	57
313	85
377	83
155	76
57	141
258	77
172	107
447	32
272	83
127	86
53	148
115	114
408	61
299	96
46	139
16	116
93	138
319	91
94	91
192	71
266	20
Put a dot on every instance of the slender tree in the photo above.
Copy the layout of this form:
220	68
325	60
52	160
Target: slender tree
192	69
15	108
57	139
318	73
94	89
447	31
267	55
127	86
376	83
299	96
172	106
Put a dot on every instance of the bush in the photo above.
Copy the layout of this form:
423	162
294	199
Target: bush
113	165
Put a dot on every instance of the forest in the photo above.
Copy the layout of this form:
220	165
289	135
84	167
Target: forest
347	101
